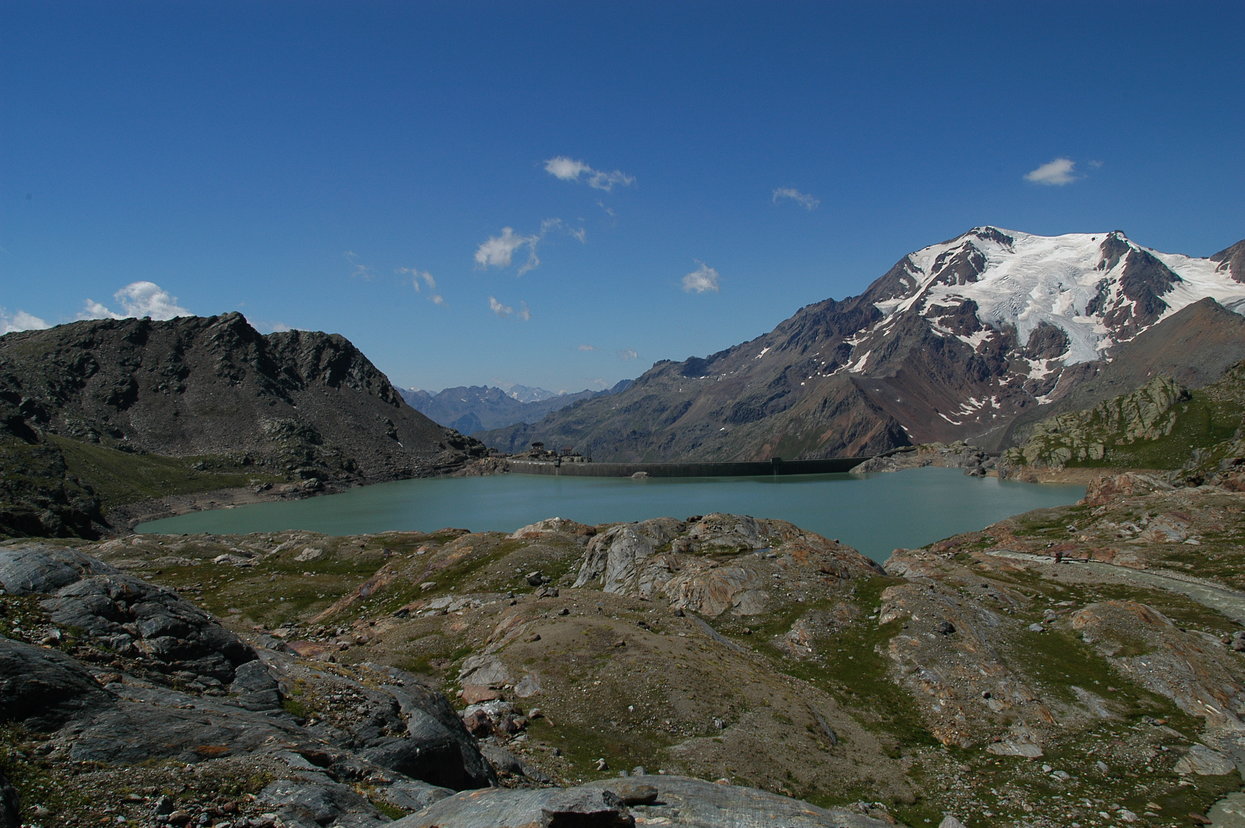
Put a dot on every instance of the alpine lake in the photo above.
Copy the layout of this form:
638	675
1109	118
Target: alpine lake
875	513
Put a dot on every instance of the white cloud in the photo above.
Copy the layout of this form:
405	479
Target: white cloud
523	314
628	354
95	310
701	280
20	321
500	251
138	299
423	281
805	200
568	169
1055	173
586	347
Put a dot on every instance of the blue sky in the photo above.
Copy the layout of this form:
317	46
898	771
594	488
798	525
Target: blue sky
561	193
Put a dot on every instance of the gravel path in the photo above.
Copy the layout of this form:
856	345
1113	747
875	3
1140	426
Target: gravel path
1227	602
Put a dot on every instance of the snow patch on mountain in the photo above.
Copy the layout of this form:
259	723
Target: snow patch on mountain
1070	282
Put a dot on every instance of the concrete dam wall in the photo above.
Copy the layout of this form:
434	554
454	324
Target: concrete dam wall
744	469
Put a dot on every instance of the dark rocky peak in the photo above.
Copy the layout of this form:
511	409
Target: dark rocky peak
958	318
330	359
1232	260
1114	247
901	280
823	323
959	265
993	234
1145	279
1046	341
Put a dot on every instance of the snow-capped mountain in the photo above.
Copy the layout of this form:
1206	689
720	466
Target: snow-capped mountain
955	341
1096	289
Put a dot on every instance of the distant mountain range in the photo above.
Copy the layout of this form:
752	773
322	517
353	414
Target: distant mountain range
475	408
963	339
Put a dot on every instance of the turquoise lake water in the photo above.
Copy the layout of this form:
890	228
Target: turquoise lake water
873	513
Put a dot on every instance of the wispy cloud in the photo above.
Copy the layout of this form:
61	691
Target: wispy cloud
20	321
423	282
701	280
267	327
568	169
628	354
357	269
805	200
138	299
500	251
585	347
1054	173
523	314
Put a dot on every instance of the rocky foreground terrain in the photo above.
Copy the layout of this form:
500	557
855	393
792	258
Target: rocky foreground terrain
1073	666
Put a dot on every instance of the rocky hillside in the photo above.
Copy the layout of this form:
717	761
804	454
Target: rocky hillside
1158	426
92	403
954	342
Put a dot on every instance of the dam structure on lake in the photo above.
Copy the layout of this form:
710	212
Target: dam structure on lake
760	468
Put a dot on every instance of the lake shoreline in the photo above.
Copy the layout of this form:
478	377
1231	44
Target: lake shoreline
124	519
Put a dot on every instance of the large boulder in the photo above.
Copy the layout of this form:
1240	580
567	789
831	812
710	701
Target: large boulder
132	617
42	689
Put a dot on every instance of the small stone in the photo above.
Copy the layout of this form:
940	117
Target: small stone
602	764
945	628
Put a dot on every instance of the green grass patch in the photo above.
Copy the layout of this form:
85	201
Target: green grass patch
850	664
121	477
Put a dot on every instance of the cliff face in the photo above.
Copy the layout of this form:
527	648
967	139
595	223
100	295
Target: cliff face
292	404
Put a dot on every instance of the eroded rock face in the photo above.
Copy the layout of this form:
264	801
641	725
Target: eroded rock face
1195	671
717	563
949	653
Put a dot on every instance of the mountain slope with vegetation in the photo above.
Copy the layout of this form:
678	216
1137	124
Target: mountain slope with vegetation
1159	426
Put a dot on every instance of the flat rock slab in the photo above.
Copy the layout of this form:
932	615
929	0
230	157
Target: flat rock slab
654	800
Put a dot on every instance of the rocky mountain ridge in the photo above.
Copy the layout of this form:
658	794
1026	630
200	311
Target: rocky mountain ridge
287	406
952	343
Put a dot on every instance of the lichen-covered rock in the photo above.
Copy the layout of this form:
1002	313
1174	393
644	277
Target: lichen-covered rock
717	563
1145	414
